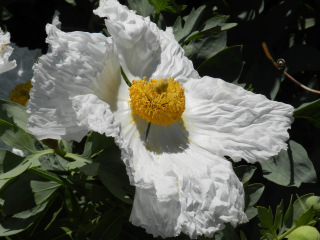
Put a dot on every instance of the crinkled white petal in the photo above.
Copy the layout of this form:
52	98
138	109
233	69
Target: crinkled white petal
94	114
25	58
229	121
180	186
70	70
144	49
204	194
5	52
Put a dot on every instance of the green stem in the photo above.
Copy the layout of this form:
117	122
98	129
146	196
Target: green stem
148	129
287	232
125	77
66	145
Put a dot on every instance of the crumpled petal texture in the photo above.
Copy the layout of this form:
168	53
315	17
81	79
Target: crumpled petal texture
205	194
70	69
229	121
5	52
145	50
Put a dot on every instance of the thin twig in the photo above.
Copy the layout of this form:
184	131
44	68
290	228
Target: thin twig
280	68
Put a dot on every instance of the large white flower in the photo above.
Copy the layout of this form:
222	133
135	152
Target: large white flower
183	181
5	52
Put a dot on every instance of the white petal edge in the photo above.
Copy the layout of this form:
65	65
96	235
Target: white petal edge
208	195
229	121
145	50
76	61
5	52
94	114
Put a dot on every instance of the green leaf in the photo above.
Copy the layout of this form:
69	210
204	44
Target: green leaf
253	193
16	137
295	211
191	23
27	191
278	217
202	49
289	168
212	26
53	162
227	233
220	65
167	5
28	162
57	233
78	162
47	175
21	221
71	202
96	192
109	226
43	190
242	236
288	217
112	173
265	218
309	111
90	169
95	144
305	218
9	161
143	7
299	206
245	172
13	113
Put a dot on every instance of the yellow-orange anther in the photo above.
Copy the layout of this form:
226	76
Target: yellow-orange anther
159	101
20	94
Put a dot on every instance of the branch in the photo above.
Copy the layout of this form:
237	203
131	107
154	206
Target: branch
280	65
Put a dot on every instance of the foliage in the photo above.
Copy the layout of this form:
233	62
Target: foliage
70	190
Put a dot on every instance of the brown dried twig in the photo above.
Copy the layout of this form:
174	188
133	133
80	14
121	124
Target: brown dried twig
280	65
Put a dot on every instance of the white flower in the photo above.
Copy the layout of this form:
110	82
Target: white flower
183	181
5	52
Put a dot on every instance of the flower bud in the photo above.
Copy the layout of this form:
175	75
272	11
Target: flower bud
304	233
313	201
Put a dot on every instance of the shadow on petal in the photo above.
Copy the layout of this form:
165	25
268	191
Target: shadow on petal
163	139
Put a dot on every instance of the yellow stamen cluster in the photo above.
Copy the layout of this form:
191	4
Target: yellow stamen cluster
20	94
159	101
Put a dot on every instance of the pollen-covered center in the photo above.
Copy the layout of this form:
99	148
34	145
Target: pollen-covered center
20	94
159	101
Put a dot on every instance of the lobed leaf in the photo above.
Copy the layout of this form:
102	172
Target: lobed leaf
30	161
191	23
16	137
20	221
13	113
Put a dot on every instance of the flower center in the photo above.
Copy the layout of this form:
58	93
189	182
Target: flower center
158	101
20	94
